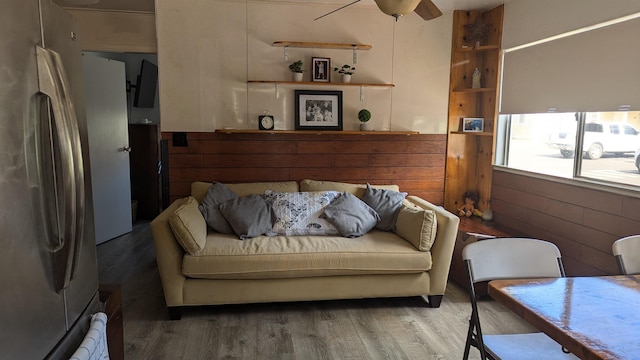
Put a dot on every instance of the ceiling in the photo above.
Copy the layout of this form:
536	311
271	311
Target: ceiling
148	5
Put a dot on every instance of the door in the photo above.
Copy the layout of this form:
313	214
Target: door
106	102
630	137
46	276
145	169
32	317
60	31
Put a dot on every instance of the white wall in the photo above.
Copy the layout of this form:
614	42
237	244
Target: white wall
115	31
208	50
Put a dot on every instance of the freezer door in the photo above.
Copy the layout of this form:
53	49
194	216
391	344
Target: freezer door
73	339
60	35
38	213
32	315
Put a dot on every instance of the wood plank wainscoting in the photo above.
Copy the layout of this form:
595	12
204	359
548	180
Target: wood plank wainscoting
582	222
415	162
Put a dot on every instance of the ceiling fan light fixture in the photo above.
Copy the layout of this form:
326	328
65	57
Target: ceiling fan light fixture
82	2
397	8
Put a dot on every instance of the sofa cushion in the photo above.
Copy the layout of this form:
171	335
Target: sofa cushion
350	215
417	225
188	226
249	216
199	188
355	189
216	195
298	213
386	203
377	252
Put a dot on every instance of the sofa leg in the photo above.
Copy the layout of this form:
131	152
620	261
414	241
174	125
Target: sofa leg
175	312
433	300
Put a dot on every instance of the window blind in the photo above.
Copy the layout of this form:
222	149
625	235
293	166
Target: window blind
594	70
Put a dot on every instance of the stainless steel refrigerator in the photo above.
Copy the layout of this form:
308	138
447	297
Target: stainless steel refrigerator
48	268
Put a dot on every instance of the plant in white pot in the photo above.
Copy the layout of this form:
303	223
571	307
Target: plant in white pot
346	71
296	70
364	116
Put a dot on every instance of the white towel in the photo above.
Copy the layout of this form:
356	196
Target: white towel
94	345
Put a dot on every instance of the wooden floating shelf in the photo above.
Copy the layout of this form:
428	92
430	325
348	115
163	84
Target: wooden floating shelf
304	44
479	48
315	132
317	83
472	133
477	90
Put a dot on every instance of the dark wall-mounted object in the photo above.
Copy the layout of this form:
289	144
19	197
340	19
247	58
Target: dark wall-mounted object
145	96
180	139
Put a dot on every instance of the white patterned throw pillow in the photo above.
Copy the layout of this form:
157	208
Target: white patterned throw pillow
298	213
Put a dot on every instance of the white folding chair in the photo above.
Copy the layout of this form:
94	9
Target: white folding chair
511	258
627	253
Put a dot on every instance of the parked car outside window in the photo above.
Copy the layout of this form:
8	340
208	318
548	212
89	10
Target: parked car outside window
522	143
599	138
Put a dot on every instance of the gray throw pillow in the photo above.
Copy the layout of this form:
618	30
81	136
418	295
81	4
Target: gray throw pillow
386	203
249	216
350	215
216	195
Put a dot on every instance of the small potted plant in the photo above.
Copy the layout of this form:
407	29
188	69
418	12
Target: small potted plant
346	71
364	116
296	69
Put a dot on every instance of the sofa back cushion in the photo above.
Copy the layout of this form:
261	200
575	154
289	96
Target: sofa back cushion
417	225
355	189
351	216
189	227
199	188
210	207
386	203
249	216
298	213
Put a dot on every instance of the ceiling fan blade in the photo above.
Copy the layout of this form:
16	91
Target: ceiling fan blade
427	10
338	9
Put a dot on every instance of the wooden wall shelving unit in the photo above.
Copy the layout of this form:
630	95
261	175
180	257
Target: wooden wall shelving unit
478	90
470	154
317	132
317	83
319	45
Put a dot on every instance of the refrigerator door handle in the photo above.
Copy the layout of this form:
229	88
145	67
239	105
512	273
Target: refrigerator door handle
53	83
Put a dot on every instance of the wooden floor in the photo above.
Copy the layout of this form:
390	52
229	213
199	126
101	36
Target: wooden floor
399	328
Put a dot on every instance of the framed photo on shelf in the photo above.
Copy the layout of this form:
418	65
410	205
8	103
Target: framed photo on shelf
318	110
472	124
321	69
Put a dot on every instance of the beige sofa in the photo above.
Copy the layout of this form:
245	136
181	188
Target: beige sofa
301	268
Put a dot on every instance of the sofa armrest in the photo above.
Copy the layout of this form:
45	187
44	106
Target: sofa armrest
169	256
442	249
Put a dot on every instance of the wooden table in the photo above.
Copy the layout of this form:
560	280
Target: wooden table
593	317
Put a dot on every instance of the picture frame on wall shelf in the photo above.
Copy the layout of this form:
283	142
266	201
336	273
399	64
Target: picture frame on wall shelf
318	110
473	124
321	69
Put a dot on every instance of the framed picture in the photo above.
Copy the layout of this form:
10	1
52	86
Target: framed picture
318	110
472	124
321	69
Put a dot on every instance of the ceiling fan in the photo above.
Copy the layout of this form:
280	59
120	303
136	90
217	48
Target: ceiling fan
396	8
82	2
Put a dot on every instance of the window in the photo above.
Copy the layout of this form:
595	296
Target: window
547	144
